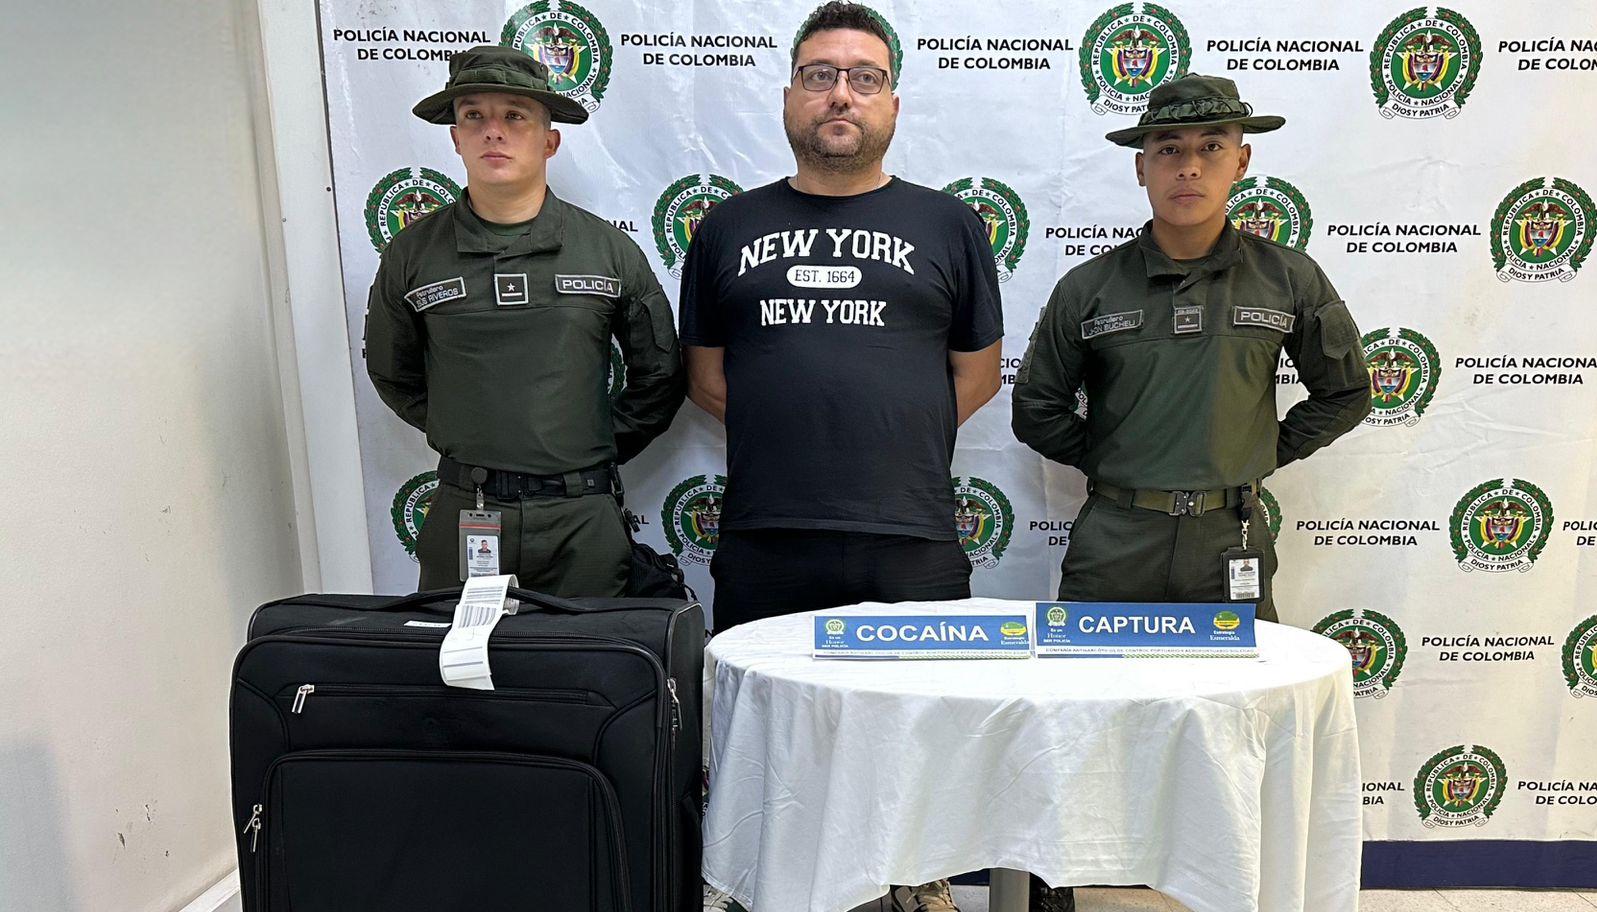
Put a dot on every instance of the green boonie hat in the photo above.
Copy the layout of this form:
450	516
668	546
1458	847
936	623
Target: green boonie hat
490	68
1195	101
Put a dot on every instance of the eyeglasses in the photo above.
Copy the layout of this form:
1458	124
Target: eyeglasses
821	77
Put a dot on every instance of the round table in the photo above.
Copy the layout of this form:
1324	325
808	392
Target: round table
1229	784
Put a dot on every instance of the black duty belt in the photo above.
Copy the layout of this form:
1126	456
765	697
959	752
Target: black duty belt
505	485
1178	503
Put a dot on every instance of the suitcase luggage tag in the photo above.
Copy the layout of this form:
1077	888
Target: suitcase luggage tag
479	537
463	656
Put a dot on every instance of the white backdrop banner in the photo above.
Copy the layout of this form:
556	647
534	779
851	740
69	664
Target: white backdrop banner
1438	164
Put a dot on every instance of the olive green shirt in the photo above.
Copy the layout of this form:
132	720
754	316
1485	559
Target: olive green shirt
1179	363
498	348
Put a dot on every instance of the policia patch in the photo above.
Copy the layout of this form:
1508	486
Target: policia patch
1263	316
604	286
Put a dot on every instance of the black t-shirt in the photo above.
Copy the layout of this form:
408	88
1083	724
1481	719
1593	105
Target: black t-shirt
837	315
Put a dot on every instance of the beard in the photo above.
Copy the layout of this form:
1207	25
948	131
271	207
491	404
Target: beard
860	151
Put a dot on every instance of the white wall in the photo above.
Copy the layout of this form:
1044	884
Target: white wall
142	444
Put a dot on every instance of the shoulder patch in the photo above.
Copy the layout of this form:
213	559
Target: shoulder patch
436	293
604	286
1265	317
1110	323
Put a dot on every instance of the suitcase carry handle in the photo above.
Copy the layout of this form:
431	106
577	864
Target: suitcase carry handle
530	600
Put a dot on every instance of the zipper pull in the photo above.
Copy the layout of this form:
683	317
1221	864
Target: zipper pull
676	705
254	828
304	691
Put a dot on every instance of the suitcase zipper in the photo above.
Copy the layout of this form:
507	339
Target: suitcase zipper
253	828
676	708
454	693
258	873
667	780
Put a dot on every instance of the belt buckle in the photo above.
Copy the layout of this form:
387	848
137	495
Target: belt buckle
1188	503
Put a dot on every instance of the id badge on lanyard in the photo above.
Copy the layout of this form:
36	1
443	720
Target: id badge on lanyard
479	537
1243	570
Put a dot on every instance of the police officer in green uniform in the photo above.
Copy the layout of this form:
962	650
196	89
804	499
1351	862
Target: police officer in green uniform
1176	336
489	328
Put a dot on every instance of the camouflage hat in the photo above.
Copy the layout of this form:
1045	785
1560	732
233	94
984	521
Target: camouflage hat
489	68
1195	101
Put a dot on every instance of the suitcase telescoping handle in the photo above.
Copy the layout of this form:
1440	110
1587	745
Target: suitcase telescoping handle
445	599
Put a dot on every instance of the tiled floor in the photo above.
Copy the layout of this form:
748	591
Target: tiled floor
974	899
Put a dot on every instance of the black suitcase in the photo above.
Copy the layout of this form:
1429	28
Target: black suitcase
362	782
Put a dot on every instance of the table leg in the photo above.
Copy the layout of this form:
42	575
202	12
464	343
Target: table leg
1008	890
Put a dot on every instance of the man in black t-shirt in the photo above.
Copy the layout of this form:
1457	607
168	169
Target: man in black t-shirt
842	324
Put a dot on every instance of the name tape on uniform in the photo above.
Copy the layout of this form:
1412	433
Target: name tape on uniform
1110	323
922	636
436	293
1145	629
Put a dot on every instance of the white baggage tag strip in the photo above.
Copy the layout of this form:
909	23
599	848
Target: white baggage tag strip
463	658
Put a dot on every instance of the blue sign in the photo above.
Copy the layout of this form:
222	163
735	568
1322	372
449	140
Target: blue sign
922	636
1148	629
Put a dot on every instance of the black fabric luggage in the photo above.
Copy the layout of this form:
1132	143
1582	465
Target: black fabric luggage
362	782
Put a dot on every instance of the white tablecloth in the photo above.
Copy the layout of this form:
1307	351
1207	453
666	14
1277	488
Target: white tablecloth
1230	784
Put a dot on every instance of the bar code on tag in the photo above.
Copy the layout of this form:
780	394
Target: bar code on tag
479	614
463	656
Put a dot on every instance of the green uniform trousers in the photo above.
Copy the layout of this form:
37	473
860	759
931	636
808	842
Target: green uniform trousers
565	546
1131	554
